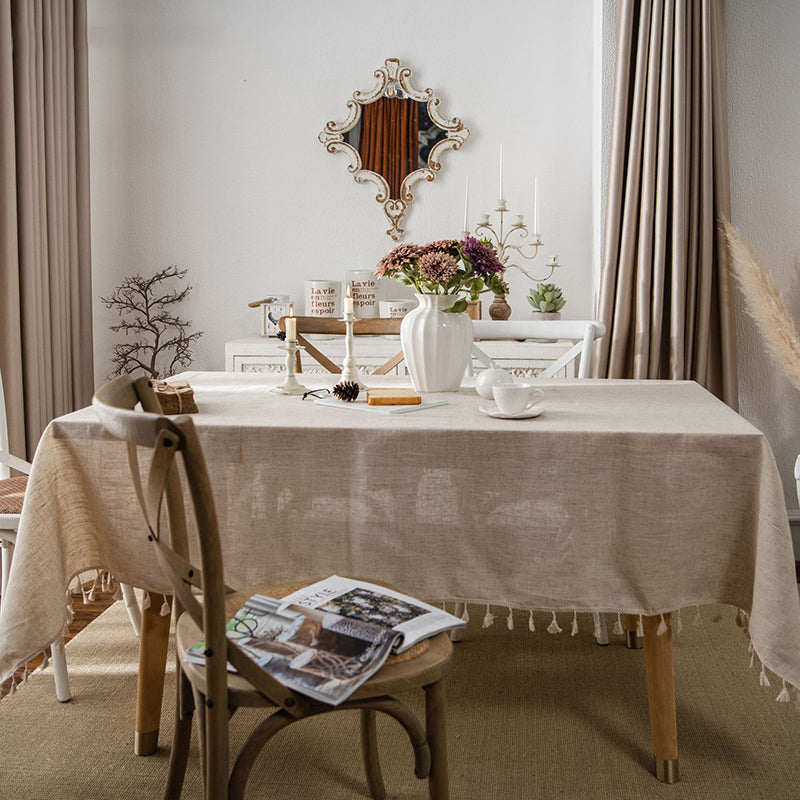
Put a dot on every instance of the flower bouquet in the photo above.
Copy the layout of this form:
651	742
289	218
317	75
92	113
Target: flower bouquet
436	336
447	267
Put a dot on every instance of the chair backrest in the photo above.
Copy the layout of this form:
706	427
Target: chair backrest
330	325
8	461
581	332
166	437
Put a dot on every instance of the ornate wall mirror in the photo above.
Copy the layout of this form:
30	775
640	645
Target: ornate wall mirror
394	137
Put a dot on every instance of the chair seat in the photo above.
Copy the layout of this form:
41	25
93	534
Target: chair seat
12	493
428	664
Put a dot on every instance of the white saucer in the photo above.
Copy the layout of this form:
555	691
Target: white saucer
492	411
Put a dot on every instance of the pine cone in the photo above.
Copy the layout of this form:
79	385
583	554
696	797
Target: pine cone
281	335
346	390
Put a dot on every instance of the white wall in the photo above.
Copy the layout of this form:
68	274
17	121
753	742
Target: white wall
204	123
764	120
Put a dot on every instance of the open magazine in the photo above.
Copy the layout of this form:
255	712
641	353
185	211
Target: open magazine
326	639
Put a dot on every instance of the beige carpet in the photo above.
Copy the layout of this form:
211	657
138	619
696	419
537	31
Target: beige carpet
530	716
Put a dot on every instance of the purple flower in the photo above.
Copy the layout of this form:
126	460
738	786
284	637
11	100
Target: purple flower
397	258
437	266
482	257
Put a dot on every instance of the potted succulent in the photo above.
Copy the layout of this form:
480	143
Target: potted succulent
547	301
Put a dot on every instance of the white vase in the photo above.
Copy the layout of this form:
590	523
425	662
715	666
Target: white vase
436	344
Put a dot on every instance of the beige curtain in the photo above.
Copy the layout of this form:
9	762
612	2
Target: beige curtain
665	293
45	266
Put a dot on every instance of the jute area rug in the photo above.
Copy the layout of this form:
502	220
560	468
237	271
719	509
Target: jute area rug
531	715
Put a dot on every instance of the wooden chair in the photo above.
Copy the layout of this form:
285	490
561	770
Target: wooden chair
12	496
331	325
210	689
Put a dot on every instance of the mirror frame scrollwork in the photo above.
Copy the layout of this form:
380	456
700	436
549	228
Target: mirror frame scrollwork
393	80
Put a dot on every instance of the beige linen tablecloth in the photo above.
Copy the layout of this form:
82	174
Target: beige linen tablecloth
639	497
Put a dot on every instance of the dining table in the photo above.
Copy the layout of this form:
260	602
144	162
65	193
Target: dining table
638	498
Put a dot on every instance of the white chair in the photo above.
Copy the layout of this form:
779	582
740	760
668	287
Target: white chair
797	476
583	334
12	495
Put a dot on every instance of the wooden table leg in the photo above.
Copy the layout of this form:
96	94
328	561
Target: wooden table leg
630	622
152	665
659	664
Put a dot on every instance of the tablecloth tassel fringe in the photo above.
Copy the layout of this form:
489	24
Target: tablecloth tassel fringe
510	619
165	609
574	629
662	627
752	651
554	627
531	623
488	618
25	675
45	660
118	594
465	615
783	695
12	688
763	680
697	618
679	626
596	629
618	630
640	628
146	600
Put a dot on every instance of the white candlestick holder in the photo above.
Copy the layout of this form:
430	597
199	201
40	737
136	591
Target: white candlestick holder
290	384
349	366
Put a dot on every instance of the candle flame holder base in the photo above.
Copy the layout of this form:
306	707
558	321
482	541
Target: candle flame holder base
290	384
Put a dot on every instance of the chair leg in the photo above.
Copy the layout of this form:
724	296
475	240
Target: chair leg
8	551
631	623
369	751
435	726
60	675
601	627
181	737
252	747
132	607
200	709
455	635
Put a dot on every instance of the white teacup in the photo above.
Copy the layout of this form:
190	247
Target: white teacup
515	398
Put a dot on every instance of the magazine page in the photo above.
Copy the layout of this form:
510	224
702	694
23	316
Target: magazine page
317	653
359	600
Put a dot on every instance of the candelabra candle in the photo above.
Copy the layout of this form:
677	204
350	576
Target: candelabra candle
290	384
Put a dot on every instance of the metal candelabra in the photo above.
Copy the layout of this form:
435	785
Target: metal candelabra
513	242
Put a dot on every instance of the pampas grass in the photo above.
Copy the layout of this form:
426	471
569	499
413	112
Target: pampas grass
765	303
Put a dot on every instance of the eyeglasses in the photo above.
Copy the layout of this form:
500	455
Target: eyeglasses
316	393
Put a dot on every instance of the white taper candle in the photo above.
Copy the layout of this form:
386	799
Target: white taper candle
466	207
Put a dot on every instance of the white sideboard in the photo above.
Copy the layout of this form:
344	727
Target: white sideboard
263	354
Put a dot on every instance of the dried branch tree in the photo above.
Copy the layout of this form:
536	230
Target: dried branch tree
146	307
